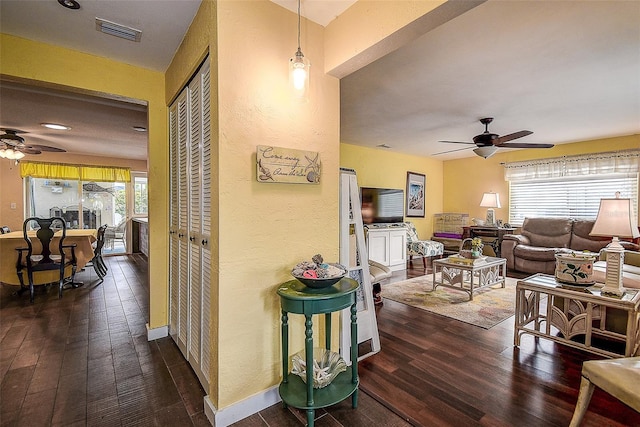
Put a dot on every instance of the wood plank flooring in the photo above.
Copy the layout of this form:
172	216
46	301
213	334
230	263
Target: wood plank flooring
85	360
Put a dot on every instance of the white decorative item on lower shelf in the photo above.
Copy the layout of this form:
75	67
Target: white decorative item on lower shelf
326	366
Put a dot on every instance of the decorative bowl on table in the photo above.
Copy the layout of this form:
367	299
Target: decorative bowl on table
317	274
575	268
326	366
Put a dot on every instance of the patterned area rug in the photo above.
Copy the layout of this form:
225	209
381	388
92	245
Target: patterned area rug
490	306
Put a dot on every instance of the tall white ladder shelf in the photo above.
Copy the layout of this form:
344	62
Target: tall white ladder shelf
353	255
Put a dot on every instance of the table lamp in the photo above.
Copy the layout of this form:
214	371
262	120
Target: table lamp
615	219
490	200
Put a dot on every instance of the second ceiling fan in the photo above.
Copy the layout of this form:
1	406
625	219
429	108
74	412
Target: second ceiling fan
487	143
13	146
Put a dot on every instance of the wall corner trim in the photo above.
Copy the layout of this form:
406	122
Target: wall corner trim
157	333
241	409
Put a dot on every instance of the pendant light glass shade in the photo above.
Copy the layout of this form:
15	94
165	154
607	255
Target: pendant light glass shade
299	76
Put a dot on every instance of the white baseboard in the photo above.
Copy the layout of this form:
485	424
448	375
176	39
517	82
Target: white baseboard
156	333
242	409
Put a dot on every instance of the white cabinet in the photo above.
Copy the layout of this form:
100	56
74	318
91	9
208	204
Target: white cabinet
190	223
388	246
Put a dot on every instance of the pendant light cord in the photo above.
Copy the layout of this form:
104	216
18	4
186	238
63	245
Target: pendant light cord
298	24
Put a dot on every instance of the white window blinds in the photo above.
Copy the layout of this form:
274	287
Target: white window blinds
570	186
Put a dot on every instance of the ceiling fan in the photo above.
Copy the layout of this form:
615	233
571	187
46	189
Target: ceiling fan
12	145
488	143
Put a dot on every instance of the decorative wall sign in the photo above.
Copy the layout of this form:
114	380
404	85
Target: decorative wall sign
416	185
285	165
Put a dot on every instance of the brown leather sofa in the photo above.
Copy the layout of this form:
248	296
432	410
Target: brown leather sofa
534	249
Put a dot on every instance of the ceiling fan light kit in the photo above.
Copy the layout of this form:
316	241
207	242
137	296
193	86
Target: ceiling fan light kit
488	143
13	147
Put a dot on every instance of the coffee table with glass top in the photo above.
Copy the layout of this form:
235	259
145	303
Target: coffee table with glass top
466	274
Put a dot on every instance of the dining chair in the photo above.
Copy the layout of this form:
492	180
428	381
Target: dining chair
97	262
34	261
116	233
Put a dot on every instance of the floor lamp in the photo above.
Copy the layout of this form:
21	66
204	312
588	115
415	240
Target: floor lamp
615	218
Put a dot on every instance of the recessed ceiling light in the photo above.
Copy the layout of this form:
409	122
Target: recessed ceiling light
140	128
55	126
70	4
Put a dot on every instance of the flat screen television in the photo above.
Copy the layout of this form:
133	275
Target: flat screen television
381	205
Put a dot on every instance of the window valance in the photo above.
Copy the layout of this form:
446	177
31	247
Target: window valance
615	162
75	172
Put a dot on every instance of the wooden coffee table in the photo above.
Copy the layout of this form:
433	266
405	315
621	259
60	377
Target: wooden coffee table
575	312
466	275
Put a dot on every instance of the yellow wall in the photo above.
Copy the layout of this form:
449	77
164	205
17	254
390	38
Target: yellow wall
267	228
12	191
381	168
52	64
466	179
262	229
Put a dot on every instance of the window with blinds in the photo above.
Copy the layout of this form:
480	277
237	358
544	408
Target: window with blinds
575	197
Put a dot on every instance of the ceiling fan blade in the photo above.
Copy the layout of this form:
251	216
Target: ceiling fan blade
458	142
47	148
452	151
512	136
29	150
524	145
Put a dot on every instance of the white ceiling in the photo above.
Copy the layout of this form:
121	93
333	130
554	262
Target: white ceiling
566	70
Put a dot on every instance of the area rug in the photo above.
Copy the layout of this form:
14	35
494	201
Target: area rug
490	305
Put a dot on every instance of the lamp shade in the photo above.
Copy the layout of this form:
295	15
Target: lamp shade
616	219
490	200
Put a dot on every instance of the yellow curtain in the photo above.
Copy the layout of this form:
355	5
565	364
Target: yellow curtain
49	170
75	172
104	174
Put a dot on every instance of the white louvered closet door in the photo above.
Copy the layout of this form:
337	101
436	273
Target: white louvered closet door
183	224
190	288
205	230
174	259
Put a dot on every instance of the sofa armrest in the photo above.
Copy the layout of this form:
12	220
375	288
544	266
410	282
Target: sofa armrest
630	257
519	239
509	243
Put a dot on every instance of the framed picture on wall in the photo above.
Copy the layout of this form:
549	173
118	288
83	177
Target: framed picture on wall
416	187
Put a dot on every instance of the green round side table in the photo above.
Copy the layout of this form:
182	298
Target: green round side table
296	298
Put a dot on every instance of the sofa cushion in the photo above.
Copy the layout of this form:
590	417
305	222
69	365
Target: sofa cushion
536	253
580	239
548	232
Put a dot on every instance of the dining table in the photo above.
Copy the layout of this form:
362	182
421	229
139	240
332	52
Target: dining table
9	242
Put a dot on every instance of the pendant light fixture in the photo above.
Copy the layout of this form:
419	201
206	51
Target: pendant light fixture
299	70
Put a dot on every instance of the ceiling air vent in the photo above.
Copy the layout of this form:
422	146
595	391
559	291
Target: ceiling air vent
118	30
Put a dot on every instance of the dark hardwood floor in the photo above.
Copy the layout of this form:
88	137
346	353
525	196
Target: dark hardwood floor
85	360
